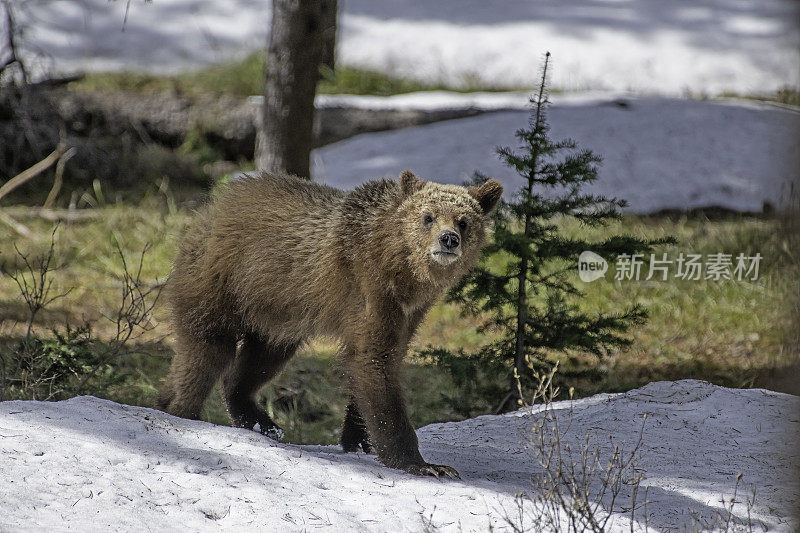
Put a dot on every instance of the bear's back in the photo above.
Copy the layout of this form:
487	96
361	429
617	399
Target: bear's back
279	250
264	249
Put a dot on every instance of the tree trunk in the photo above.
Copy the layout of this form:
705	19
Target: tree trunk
296	44
520	348
11	47
330	25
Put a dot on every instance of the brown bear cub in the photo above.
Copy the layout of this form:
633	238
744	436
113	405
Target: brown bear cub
273	260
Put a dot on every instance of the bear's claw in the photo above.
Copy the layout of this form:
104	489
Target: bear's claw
364	444
437	471
273	432
256	419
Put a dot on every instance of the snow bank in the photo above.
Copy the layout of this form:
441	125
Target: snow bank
642	45
93	464
428	101
659	153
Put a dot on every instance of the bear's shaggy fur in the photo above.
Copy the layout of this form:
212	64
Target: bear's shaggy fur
273	260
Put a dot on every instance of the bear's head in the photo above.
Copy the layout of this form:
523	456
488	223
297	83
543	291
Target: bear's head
444	225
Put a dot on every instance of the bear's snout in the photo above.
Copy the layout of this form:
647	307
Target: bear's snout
449	240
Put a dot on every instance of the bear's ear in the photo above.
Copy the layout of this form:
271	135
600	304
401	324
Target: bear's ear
409	183
487	195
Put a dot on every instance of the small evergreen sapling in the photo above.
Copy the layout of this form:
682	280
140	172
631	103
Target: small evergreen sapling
531	301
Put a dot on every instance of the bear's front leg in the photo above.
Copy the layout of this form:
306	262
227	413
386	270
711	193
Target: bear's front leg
374	384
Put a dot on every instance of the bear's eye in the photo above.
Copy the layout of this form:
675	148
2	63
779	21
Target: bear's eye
462	224
427	219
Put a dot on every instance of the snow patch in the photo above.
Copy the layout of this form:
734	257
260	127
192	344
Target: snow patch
87	463
652	46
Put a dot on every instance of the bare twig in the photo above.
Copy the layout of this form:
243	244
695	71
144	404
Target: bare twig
35	282
32	172
57	82
52	215
3	379
32	371
134	314
125	18
43	368
578	489
21	229
59	179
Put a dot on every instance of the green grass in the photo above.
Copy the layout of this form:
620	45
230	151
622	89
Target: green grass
731	333
786	95
245	77
728	332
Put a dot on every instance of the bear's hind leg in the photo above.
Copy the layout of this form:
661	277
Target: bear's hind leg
195	368
256	363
